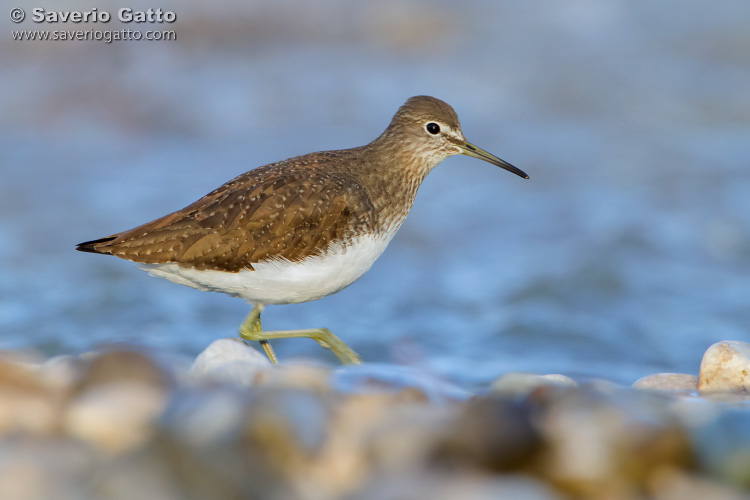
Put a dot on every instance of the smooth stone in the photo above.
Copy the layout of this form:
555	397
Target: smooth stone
673	484
435	485
409	382
229	360
598	440
116	400
19	377
122	365
722	446
667	382
62	372
24	357
601	386
165	469
284	426
493	433
115	416
209	444
204	418
726	367
34	468
26	403
349	453
267	446
300	375
403	439
726	398
521	384
288	421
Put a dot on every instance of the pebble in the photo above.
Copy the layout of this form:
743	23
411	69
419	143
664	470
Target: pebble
119	424
34	468
463	486
522	384
26	403
116	400
411	383
121	365
726	367
495	434
673	382
207	417
673	484
231	361
115	416
302	376
597	441
403	439
61	372
722	446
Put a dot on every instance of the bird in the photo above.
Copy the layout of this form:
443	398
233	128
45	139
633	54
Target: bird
303	228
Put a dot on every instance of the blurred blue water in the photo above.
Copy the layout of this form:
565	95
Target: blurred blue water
626	253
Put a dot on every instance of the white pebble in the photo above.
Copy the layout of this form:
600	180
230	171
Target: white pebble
726	367
229	360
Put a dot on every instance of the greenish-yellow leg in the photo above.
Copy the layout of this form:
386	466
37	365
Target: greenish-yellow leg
251	330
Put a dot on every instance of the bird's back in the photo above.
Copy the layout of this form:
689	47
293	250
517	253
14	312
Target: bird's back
283	211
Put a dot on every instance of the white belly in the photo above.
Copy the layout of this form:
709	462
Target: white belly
284	282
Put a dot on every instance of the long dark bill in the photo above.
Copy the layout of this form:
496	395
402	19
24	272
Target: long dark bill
469	149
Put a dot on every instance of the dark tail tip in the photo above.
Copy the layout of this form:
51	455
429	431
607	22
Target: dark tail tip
90	246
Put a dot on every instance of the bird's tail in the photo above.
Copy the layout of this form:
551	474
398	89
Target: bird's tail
90	246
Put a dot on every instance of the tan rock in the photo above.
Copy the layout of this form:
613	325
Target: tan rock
493	433
42	468
61	373
116	401
116	416
458	485
122	365
598	442
25	403
726	367
300	376
667	382
410	383
674	484
520	384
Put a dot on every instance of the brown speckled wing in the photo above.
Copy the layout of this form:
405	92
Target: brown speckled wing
288	210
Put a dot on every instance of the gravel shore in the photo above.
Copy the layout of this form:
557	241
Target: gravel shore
126	424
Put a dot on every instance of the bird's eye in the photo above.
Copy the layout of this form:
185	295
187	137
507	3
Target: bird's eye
432	128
